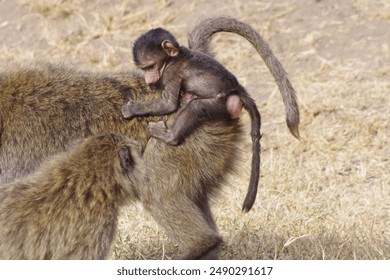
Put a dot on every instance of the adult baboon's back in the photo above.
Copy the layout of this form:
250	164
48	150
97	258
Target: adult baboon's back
44	108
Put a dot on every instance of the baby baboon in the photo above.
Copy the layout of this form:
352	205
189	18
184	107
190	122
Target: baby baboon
68	209
178	69
45	107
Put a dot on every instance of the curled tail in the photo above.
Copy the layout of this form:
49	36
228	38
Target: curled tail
199	40
250	106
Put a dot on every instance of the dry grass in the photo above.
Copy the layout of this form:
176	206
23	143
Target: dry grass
324	197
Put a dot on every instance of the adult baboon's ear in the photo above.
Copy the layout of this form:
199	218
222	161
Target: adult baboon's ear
125	157
169	48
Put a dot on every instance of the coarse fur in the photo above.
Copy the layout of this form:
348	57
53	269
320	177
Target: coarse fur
68	208
45	107
178	69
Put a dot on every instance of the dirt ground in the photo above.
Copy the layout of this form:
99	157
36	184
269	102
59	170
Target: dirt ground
326	196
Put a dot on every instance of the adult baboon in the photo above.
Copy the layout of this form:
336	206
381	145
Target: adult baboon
46	107
68	208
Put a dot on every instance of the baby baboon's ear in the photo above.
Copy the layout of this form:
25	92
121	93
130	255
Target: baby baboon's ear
169	48
125	157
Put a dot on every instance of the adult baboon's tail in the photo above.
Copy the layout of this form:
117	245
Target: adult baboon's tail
199	40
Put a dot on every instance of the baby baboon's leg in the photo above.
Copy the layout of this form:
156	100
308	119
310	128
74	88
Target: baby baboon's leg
192	115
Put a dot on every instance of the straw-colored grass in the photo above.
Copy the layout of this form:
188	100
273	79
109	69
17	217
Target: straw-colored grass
326	196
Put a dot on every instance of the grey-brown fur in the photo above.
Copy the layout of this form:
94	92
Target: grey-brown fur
45	107
68	208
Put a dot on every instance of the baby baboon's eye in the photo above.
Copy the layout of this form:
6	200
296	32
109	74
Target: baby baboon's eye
148	67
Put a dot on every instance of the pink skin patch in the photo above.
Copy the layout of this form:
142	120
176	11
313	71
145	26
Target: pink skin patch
187	97
234	106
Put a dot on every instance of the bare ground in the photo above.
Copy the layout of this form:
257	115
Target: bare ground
326	196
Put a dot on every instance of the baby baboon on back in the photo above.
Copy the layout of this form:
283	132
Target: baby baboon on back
68	208
181	70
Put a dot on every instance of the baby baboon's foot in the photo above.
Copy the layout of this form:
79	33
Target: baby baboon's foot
160	131
128	110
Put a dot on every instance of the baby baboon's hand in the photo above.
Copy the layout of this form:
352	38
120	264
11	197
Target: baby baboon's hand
128	110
